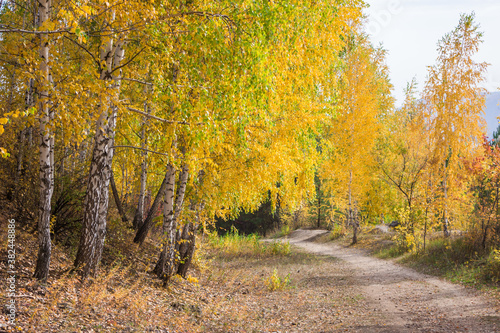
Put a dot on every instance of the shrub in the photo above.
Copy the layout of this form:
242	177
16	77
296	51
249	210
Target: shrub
492	271
280	248
338	231
275	282
406	239
285	230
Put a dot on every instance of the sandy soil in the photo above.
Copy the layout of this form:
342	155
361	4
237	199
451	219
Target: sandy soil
408	300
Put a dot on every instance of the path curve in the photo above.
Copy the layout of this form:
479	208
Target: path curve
410	301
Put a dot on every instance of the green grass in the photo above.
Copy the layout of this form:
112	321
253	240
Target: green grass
454	259
234	245
389	252
279	233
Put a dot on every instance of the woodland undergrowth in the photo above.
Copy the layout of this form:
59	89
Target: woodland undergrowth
126	297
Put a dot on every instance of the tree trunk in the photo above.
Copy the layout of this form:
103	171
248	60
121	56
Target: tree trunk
354	235
93	231
351	217
425	227
97	196
446	232
168	216
142	233
46	152
186	249
171	228
117	198
139	213
20	157
319	208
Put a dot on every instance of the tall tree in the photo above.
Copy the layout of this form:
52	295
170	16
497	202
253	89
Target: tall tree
403	153
364	94
46	145
455	102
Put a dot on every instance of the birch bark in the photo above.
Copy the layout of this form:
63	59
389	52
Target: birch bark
168	216
46	151
97	196
166	265
139	213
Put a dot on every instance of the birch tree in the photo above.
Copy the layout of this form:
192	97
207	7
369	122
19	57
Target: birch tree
46	146
364	94
455	102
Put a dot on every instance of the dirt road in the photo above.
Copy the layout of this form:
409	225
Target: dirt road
408	300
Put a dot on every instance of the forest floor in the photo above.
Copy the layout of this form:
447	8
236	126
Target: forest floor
322	287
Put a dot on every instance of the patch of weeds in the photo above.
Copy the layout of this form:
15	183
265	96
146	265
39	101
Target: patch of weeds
392	251
338	231
492	268
458	261
189	279
281	248
283	232
235	245
275	282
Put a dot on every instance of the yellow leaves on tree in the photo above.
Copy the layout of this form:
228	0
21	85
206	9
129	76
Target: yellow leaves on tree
351	135
455	103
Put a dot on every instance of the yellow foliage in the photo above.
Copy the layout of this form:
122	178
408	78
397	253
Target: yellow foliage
349	139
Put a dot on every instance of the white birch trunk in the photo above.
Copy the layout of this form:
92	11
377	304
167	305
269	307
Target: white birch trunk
46	152
166	263
97	196
446	231
172	228
139	213
168	216
352	216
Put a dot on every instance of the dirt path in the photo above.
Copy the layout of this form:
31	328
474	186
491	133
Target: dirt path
408	300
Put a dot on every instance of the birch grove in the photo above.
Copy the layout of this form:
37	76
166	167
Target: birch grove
216	108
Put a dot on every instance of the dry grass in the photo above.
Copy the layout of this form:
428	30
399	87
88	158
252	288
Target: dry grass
226	293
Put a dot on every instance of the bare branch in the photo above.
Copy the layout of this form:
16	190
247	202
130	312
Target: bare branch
144	149
158	118
84	48
129	61
33	32
134	80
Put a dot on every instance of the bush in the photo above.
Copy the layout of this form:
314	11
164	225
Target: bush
406	239
280	248
285	230
492	270
338	231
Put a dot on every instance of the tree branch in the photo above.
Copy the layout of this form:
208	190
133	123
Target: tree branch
158	118
23	31
144	149
128	62
85	49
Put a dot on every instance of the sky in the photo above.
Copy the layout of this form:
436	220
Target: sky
410	30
